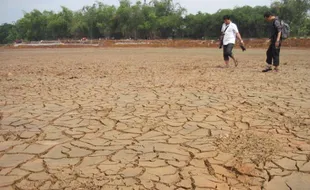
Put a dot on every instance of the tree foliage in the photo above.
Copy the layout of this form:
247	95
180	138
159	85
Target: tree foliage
155	19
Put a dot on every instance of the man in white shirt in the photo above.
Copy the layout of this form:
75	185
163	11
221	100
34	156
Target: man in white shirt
229	33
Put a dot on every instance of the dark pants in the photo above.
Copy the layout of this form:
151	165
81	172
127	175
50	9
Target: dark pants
227	51
273	54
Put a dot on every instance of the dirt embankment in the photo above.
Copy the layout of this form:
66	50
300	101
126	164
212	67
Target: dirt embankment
250	43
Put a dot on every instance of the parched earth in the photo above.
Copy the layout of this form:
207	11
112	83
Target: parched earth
153	119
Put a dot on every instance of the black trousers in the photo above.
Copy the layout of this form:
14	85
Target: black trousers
227	51
273	54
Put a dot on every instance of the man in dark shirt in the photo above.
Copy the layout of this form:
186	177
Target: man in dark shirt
273	52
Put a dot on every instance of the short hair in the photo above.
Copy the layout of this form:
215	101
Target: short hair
268	14
226	17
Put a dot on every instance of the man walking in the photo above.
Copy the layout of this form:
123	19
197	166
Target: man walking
273	52
229	33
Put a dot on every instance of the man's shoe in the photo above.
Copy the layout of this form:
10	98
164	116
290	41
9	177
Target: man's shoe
267	69
236	63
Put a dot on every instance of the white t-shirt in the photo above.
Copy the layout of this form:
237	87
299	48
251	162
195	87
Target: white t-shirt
230	33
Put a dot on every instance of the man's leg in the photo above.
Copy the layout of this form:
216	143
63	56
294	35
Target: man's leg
276	57
225	54
230	52
269	55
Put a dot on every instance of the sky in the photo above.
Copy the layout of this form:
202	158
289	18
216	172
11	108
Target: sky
12	10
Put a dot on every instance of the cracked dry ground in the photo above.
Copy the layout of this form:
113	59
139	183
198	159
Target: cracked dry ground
153	119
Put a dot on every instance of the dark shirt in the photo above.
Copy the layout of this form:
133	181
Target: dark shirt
275	28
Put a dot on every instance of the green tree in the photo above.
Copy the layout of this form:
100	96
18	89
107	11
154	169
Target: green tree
79	27
148	25
90	20
169	17
122	18
59	24
156	19
197	26
7	33
105	19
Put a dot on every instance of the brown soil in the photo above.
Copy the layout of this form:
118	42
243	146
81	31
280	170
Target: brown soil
153	118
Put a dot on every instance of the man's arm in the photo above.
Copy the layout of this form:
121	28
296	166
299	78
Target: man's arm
279	36
238	34
222	29
239	37
278	26
278	39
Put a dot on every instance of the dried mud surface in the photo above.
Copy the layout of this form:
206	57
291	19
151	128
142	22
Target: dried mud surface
153	119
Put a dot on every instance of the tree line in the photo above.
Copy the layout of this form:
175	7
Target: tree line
151	20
